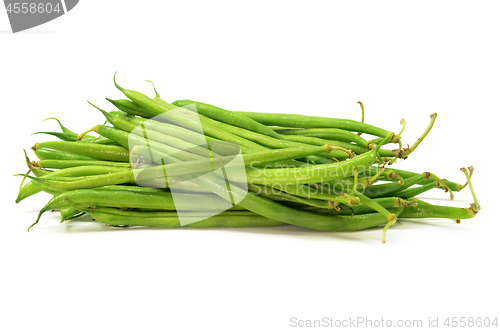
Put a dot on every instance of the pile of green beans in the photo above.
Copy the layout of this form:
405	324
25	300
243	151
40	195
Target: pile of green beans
161	164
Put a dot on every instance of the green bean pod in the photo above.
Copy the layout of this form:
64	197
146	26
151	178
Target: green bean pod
339	223
120	122
104	215
95	151
57	185
329	134
422	210
66	134
194	137
312	173
280	196
129	107
63	164
261	139
32	189
207	165
128	199
50	154
387	203
183	117
162	213
354	147
304	121
70	213
227	117
414	191
455	187
125	139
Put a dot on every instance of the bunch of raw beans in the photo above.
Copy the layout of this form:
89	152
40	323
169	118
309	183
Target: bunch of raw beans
196	165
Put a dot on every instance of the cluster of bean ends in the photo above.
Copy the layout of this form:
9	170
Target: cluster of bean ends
320	173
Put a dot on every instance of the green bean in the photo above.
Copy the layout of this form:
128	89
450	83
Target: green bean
89	182
303	121
252	159
245	138
378	191
141	128
179	184
253	203
60	135
277	195
329	134
131	188
339	185
393	188
56	185
366	201
155	109
174	130
181	133
161	213
128	199
121	123
129	107
305	191
422	210
129	140
219	130
339	223
46	154
66	134
387	203
414	191
261	139
40	172
26	191
220	220
313	159
86	139
289	172
355	148
312	173
228	117
85	171
96	151
112	198
70	213
63	164
112	181
32	189
392	173
271	209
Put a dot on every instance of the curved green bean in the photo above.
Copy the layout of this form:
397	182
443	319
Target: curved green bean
63	164
50	154
228	117
94	151
304	121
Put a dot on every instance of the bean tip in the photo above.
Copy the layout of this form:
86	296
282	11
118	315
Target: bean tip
116	84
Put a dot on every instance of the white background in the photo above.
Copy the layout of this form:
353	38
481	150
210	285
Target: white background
402	59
